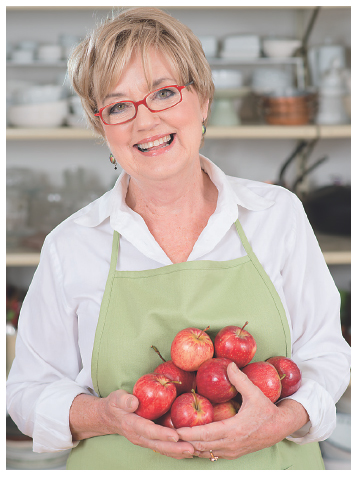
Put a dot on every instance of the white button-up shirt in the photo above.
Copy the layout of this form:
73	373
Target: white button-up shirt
60	312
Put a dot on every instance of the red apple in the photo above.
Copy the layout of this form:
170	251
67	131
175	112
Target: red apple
166	420
190	348
212	380
186	379
156	393
235	344
225	410
191	409
289	373
266	377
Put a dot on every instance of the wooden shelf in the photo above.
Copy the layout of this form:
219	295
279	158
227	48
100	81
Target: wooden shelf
336	250
20	134
213	132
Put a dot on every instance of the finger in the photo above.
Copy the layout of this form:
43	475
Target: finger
241	382
124	401
207	433
178	450
150	430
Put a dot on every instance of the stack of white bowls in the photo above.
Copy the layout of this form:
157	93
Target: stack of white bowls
38	106
210	45
76	117
241	46
227	79
271	80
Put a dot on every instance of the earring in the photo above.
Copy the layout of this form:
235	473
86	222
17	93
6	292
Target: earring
113	161
204	129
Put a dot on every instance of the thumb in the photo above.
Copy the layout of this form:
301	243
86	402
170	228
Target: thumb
125	401
241	381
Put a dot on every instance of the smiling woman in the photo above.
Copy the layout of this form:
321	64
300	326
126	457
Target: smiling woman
175	244
100	60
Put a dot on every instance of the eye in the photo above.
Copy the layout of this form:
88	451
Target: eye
165	93
119	108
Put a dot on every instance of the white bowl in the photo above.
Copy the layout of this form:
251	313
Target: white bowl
76	105
49	53
227	79
75	121
265	80
280	47
210	45
47	93
45	115
241	42
22	56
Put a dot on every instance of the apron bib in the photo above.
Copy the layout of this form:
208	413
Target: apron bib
144	308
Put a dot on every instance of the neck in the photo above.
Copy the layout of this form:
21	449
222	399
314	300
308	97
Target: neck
178	197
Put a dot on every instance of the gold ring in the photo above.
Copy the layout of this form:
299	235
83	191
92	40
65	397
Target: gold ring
213	458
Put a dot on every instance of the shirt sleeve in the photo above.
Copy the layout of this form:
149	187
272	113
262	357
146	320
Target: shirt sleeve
318	347
41	384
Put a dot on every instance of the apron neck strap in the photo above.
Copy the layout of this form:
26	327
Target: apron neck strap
115	252
244	239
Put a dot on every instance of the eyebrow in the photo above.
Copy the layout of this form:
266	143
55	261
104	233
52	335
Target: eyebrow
155	85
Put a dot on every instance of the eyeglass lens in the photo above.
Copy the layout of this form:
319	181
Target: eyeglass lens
159	100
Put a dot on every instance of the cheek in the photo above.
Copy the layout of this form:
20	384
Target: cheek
117	140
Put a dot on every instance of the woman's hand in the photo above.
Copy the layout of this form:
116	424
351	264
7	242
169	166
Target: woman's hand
258	424
91	416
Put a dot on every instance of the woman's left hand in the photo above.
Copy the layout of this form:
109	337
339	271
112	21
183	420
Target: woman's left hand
258	424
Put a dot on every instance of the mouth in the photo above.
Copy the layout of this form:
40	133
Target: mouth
159	143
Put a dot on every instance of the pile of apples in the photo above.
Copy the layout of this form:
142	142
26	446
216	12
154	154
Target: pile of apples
193	387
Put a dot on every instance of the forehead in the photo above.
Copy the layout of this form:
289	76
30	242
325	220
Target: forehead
143	72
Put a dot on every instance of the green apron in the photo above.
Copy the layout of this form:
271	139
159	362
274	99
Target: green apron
144	308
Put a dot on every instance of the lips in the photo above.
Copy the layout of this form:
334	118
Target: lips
155	144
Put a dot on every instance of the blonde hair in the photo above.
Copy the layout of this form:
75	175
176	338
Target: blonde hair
98	61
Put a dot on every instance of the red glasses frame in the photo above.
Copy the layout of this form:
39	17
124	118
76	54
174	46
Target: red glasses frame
143	101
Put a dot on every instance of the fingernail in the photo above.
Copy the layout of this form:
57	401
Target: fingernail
234	367
129	402
188	453
172	438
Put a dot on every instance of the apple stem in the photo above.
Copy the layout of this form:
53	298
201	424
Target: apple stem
282	377
195	397
208	327
158	352
245	324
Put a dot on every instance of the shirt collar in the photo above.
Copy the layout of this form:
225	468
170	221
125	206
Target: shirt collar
112	204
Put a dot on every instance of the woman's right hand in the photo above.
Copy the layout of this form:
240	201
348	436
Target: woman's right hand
91	416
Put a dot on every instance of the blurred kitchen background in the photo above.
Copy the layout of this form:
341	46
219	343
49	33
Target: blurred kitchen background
281	114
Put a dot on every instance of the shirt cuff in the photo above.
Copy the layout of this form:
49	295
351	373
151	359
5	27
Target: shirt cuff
321	410
51	429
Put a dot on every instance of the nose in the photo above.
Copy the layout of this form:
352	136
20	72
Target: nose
145	119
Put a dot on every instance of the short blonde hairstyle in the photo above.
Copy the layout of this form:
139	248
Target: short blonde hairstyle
98	61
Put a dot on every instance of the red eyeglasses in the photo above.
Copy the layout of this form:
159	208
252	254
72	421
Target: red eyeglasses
156	101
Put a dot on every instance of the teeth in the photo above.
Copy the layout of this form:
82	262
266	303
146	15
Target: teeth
157	142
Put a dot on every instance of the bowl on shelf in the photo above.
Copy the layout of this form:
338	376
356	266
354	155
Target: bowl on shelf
46	93
45	115
269	80
209	44
227	79
280	47
49	53
290	108
75	105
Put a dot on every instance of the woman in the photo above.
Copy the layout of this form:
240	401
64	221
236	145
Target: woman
176	243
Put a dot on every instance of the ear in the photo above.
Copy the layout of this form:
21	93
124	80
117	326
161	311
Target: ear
204	108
